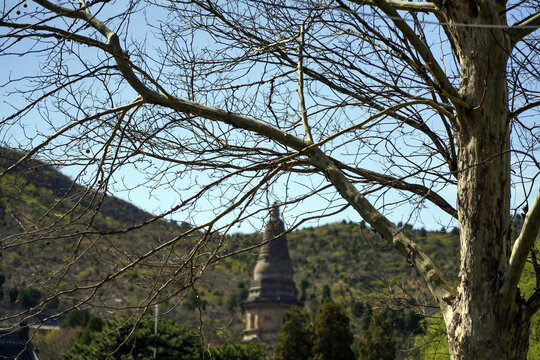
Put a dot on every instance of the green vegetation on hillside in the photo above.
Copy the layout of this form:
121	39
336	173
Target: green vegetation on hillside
344	261
330	261
132	338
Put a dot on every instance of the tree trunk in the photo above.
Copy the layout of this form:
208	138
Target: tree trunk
476	329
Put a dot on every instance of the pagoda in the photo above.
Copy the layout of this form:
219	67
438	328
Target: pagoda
272	290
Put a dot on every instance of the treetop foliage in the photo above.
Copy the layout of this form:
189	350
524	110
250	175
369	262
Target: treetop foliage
294	342
331	334
377	342
129	338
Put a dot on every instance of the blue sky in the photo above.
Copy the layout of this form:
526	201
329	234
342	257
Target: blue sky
159	200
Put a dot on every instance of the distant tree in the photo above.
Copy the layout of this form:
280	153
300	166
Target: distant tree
294	342
363	314
331	334
13	293
243	294
534	348
326	294
304	285
232	301
423	232
191	302
52	304
254	350
378	342
94	324
30	297
244	291
52	344
76	317
2	280
412	323
116	341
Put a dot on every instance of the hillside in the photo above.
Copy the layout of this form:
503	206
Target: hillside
46	245
57	236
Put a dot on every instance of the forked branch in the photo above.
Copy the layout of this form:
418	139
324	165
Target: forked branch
439	287
442	80
518	258
417	6
302	102
525	27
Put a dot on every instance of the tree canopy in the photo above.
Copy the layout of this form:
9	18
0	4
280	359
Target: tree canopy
377	342
130	338
293	341
331	334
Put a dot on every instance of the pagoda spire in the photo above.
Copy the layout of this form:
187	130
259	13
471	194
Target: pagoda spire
273	274
272	290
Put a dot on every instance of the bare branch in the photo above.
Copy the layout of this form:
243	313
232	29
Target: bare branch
522	109
524	27
440	289
415	6
28	155
437	72
301	100
82	13
522	247
401	185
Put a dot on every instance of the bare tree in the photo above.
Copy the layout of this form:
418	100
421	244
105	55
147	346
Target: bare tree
358	98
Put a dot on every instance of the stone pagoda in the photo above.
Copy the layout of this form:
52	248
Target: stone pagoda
272	290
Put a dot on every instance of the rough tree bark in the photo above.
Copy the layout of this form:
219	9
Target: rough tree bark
477	330
481	323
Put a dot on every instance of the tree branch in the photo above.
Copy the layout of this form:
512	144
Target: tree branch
59	33
525	107
347	91
397	183
524	27
522	246
403	5
301	100
82	14
442	80
28	155
440	289
533	303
